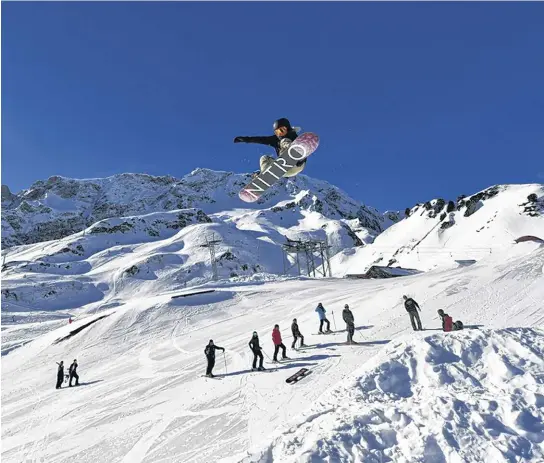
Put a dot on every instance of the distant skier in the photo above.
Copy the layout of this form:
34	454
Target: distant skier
283	136
278	344
347	315
412	307
60	374
322	318
296	334
209	351
73	373
256	349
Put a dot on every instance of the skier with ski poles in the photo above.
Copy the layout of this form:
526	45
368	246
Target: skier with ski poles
278	344
284	135
347	315
256	349
323	319
412	307
209	351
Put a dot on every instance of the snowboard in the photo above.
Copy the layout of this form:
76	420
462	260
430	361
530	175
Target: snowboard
297	151
303	372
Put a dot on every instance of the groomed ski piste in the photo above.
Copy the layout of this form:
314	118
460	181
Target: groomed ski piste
475	395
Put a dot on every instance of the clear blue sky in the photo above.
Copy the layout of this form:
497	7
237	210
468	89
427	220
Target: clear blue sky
412	100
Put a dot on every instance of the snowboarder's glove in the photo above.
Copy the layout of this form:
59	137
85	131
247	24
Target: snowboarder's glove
239	140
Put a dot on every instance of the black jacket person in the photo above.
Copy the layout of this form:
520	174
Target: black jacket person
412	307
296	334
256	349
284	134
73	373
60	374
210	356
347	315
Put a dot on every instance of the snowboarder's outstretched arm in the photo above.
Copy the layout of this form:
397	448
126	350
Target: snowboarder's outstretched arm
270	140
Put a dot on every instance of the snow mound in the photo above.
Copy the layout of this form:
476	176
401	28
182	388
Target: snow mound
469	396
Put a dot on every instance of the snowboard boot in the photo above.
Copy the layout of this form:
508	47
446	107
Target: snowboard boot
261	368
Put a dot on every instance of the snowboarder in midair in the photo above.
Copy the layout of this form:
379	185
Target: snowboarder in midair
210	356
412	307
278	344
60	374
296	334
73	373
322	318
256	349
284	135
347	315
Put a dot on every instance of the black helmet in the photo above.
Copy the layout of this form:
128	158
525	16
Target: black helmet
440	312
346	306
283	122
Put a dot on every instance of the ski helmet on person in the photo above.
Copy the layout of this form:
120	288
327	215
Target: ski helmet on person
254	333
440	312
211	341
346	306
283	122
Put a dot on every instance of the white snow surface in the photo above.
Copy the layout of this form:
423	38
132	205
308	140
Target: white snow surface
475	395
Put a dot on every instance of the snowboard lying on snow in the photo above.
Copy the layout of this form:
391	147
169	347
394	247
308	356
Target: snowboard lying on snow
303	372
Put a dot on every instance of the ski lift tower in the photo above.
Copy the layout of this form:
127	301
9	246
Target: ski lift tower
314	254
210	244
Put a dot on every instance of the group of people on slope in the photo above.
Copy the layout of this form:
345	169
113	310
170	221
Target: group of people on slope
72	371
255	345
412	307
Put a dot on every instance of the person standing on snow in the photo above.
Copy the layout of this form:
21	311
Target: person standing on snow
347	315
412	307
210	356
283	136
256	349
276	339
60	374
296	334
73	373
322	319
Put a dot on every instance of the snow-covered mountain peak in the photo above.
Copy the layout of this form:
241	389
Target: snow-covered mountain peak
440	232
60	206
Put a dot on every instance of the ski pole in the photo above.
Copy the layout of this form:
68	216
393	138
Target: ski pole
225	359
334	321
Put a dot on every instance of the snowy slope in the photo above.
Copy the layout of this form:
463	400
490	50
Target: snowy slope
59	206
423	396
472	396
436	234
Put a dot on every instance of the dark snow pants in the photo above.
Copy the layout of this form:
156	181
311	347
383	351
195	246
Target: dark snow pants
296	337
324	320
414	317
211	364
60	379
350	328
257	354
74	375
277	349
